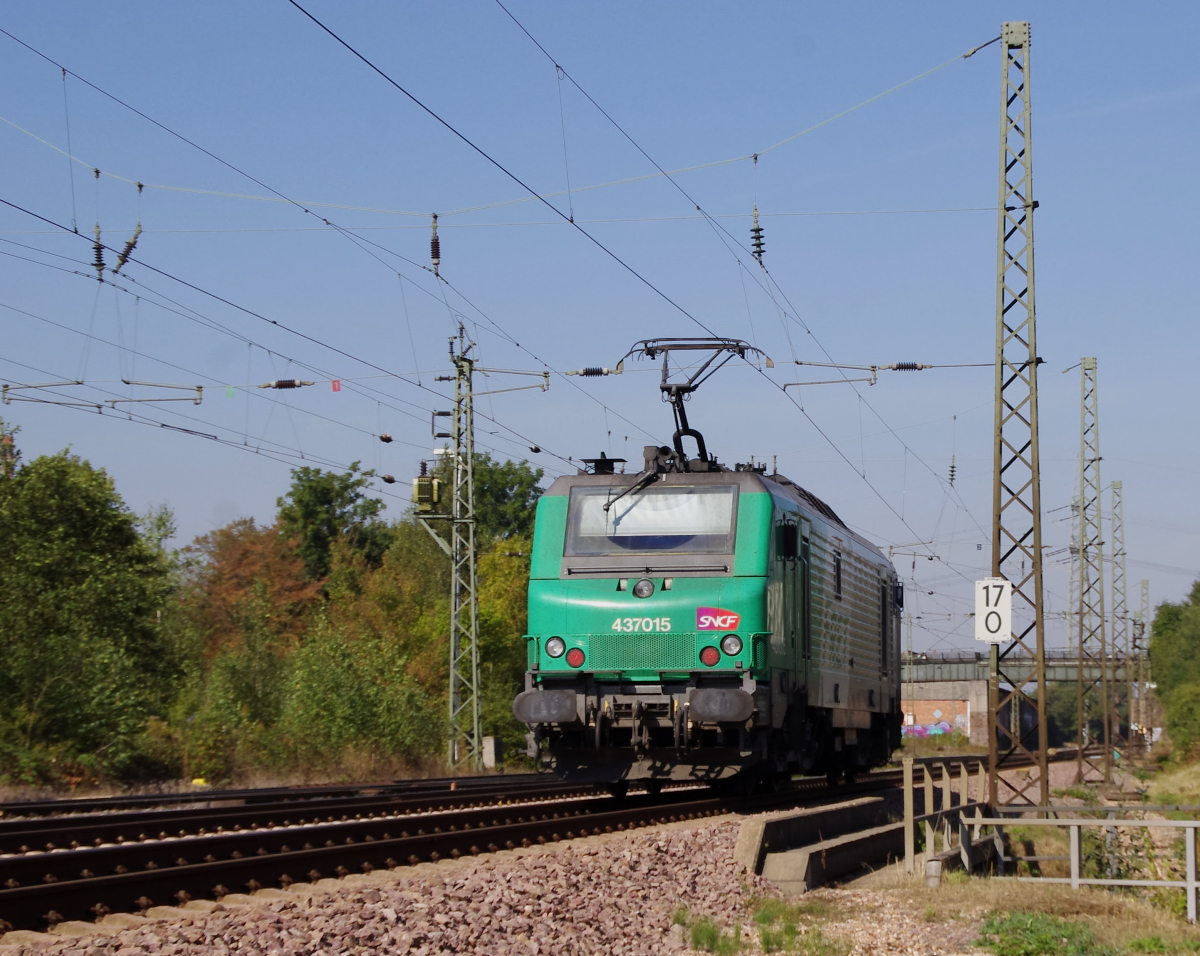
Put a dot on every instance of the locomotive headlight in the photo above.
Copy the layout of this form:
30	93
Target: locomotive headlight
644	588
731	644
556	646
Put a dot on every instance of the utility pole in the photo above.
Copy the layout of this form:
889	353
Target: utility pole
1092	687
1142	652
465	740
912	687
1016	485
1120	619
1073	552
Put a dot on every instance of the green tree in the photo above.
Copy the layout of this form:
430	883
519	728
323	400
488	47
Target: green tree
506	495
1175	652
81	657
324	506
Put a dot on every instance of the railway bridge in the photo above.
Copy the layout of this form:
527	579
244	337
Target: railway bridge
944	692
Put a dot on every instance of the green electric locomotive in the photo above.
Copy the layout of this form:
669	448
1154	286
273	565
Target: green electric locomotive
693	622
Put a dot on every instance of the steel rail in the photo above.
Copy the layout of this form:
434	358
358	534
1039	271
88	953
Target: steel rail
71	884
171	871
38	833
256	795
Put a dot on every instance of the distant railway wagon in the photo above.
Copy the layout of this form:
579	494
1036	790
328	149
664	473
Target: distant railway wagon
693	622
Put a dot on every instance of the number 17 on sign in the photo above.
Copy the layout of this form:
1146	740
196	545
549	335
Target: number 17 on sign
993	610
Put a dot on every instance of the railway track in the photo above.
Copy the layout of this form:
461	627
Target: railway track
125	802
75	831
45	887
192	853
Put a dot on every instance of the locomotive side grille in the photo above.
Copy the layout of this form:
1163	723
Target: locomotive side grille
659	652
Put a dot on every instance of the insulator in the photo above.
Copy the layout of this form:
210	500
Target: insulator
756	234
98	261
128	250
908	366
953	470
385	438
285	383
435	247
592	371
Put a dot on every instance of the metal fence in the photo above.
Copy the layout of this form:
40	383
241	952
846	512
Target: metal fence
947	808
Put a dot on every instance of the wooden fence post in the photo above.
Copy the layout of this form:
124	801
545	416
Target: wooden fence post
930	808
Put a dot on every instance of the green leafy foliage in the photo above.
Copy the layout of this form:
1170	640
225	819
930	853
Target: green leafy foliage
80	649
1175	650
313	645
323	507
506	495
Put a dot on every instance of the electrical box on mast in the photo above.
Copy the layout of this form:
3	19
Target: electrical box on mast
427	492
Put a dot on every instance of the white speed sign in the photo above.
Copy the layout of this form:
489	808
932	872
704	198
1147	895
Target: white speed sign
993	610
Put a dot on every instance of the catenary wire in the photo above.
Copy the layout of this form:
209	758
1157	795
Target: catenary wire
280	325
280	196
698	208
596	242
254	393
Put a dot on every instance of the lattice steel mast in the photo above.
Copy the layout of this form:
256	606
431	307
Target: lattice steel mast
465	741
1017	507
1073	552
1120	619
1093	691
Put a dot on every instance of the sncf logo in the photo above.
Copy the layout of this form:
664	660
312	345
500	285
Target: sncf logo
716	619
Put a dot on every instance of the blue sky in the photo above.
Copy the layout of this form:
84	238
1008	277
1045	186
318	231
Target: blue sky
880	232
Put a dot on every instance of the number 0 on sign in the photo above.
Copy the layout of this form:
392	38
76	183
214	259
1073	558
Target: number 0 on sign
993	610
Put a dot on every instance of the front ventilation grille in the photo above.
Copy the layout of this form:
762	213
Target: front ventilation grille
654	652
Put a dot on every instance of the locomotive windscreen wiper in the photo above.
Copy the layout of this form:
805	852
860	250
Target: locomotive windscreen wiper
644	482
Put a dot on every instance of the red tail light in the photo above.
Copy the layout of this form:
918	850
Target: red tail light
575	657
710	656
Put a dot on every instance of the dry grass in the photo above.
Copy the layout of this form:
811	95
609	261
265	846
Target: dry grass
351	772
941	745
1116	920
1176	786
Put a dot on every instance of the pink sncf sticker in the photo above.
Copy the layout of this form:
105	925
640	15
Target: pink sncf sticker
716	619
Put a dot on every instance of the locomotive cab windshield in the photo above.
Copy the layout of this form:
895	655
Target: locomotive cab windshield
661	519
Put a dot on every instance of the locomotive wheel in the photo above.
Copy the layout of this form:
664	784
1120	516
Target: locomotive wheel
835	776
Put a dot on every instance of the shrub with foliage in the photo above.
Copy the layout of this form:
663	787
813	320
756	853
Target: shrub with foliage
1175	651
316	645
